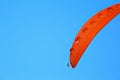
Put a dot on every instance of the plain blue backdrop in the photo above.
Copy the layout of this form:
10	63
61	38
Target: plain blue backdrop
36	35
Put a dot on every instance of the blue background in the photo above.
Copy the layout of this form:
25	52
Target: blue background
36	35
